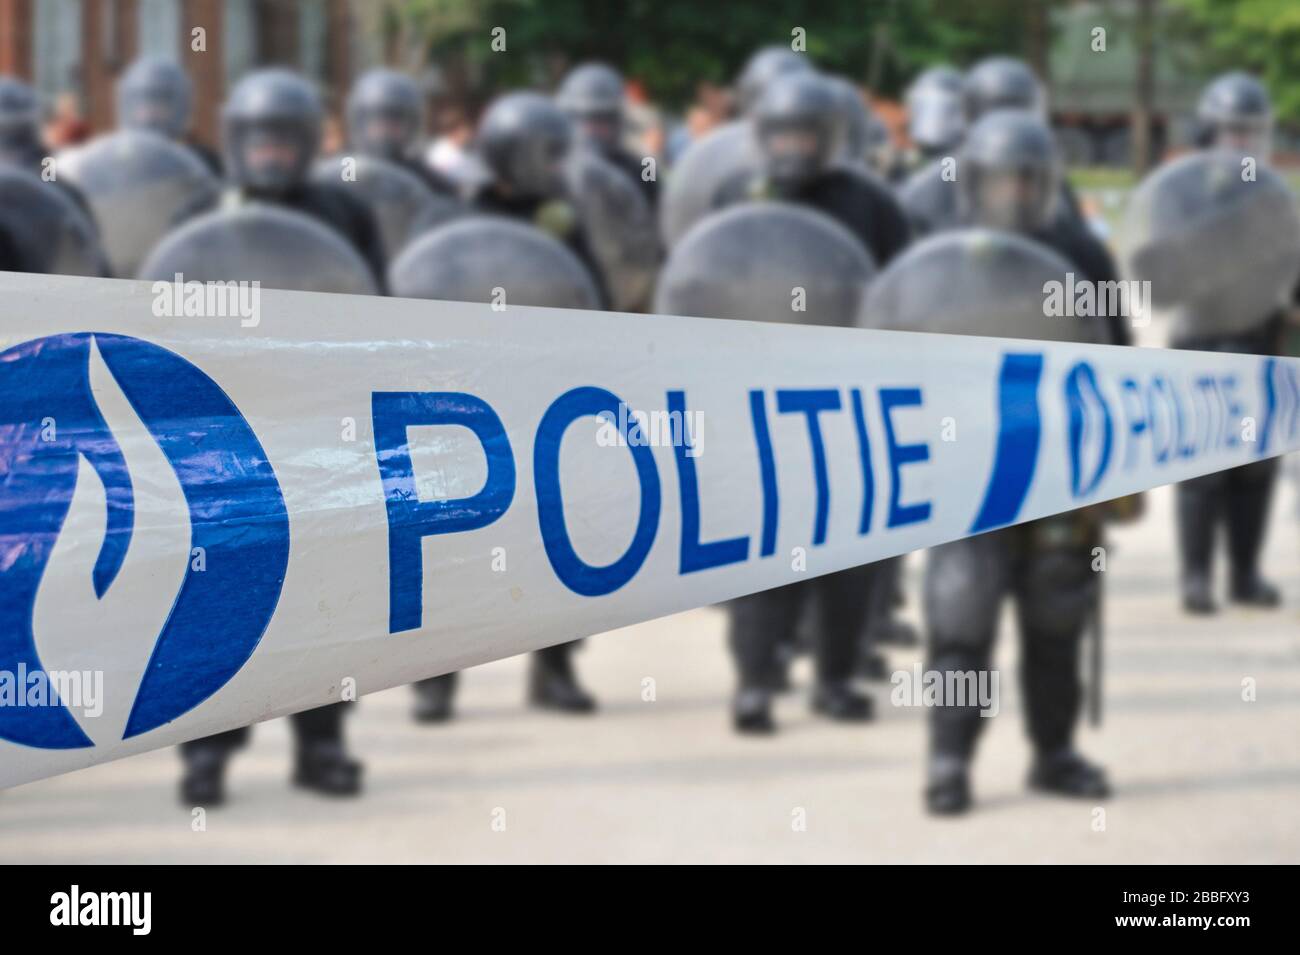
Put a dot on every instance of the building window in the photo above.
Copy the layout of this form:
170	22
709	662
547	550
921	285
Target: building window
159	28
56	62
313	39
239	42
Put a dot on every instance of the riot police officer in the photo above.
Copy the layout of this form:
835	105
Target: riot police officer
1177	208
936	119
592	97
799	130
385	117
988	280
777	246
271	128
156	94
764	66
21	144
525	142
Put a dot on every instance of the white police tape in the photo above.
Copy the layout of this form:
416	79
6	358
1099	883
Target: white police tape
207	524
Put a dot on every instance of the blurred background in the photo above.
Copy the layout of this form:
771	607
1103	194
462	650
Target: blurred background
1113	113
1200	774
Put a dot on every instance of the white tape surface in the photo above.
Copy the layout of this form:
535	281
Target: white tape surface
216	524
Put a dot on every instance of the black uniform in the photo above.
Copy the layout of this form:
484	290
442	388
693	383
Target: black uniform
337	208
556	217
332	205
836	605
871	214
1238	498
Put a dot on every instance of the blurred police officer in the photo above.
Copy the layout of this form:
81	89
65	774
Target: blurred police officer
799	130
156	94
385	117
777	246
524	140
1010	184
1234	115
936	119
271	131
592	97
271	128
21	144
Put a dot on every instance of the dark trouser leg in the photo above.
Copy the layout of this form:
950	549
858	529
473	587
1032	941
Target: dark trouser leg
842	603
1056	595
1198	503
964	585
321	725
219	745
758	624
435	697
1247	497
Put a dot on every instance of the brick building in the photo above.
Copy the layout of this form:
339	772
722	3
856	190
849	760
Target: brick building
81	46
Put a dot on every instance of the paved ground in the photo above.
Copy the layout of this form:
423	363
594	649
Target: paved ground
1201	775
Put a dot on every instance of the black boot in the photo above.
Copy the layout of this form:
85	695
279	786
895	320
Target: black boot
434	698
325	767
840	702
751	712
872	665
1198	595
204	780
947	787
1254	591
552	684
1066	773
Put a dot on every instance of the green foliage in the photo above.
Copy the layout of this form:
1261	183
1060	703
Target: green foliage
1262	36
671	45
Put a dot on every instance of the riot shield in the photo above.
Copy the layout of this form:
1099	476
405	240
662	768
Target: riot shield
618	225
976	282
402	205
264	243
1218	246
492	259
693	182
136	182
50	232
767	262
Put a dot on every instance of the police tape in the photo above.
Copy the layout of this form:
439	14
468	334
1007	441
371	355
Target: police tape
206	521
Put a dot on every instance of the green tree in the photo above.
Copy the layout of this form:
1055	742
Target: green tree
671	45
1262	36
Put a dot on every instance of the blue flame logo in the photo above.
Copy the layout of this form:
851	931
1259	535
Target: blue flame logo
48	420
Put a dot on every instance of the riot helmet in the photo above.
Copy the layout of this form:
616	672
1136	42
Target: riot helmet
936	119
20	118
1008	172
385	114
1002	82
524	139
762	68
155	93
798	125
1235	113
592	97
271	130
